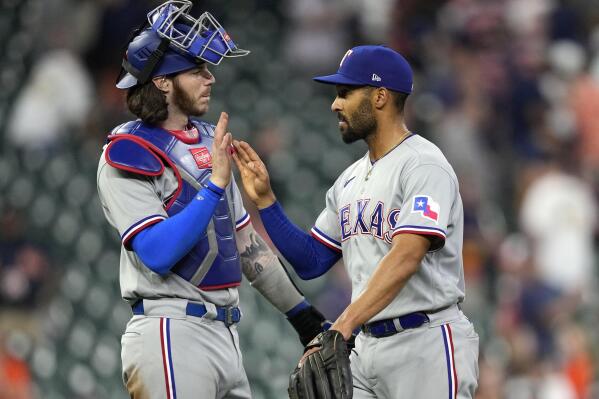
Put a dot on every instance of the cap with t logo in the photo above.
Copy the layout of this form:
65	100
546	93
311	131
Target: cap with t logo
377	66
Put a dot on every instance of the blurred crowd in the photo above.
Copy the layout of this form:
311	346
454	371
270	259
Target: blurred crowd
509	89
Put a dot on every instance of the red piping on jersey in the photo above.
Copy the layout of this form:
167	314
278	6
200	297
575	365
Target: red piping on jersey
164	354
128	168
219	287
244	224
455	374
325	243
158	151
139	228
421	233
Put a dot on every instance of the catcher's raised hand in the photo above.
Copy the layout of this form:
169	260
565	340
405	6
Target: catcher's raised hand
254	175
324	371
221	160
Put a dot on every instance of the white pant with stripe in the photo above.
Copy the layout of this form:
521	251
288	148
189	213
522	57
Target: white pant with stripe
437	360
182	357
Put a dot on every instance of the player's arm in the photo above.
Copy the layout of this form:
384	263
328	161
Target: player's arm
390	276
163	244
309	257
265	273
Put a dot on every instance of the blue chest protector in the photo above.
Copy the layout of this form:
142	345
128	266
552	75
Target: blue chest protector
213	263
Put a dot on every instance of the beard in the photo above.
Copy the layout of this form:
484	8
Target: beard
185	102
360	124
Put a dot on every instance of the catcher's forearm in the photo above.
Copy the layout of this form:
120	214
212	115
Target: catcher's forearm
391	275
268	275
264	271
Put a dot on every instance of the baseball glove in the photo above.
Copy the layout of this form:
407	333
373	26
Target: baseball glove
326	373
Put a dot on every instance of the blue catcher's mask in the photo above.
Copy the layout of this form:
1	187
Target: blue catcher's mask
173	41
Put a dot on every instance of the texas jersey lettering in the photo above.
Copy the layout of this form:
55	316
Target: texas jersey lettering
360	218
412	189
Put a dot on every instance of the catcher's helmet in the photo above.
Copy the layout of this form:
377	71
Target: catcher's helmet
173	41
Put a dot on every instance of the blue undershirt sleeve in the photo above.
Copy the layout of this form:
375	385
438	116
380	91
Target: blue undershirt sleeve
306	255
303	305
163	244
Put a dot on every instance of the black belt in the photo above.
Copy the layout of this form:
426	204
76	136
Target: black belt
228	315
387	327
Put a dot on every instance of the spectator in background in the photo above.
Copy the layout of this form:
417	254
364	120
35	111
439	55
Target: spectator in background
23	266
577	359
15	379
584	100
559	214
316	35
56	99
24	271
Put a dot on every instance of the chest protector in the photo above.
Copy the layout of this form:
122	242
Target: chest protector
213	263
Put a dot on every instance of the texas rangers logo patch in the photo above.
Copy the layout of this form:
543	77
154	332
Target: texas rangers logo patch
427	207
202	157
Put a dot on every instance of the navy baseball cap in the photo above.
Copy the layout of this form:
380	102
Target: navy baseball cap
377	66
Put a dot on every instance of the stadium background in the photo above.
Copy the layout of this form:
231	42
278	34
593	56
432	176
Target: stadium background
508	89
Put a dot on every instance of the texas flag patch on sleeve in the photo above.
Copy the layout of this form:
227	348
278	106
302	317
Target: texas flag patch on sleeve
426	206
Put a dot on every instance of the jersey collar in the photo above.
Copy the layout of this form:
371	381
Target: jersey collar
191	135
391	150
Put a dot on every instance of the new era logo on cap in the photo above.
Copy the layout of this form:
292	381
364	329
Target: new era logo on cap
366	65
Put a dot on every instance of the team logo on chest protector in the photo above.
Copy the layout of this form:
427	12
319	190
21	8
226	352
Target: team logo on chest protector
202	157
359	218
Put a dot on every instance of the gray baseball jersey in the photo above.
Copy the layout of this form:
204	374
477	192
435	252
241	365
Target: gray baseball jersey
412	189
166	353
131	203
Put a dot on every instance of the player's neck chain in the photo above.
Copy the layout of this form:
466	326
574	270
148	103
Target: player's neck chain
372	163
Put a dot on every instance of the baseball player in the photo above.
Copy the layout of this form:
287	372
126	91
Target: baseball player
165	184
396	218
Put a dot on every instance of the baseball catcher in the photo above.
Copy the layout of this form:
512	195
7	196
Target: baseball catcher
165	184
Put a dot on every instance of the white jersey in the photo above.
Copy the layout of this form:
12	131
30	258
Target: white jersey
412	189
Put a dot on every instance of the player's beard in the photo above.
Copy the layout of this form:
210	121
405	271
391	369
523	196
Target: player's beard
185	101
360	124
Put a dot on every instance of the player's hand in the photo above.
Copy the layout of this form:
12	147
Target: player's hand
254	175
221	154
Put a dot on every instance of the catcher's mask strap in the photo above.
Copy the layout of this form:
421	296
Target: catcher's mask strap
124	70
153	59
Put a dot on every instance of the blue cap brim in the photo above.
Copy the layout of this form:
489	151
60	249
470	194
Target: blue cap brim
338	79
127	81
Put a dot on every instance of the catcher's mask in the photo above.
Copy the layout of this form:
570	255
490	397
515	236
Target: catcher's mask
173	41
